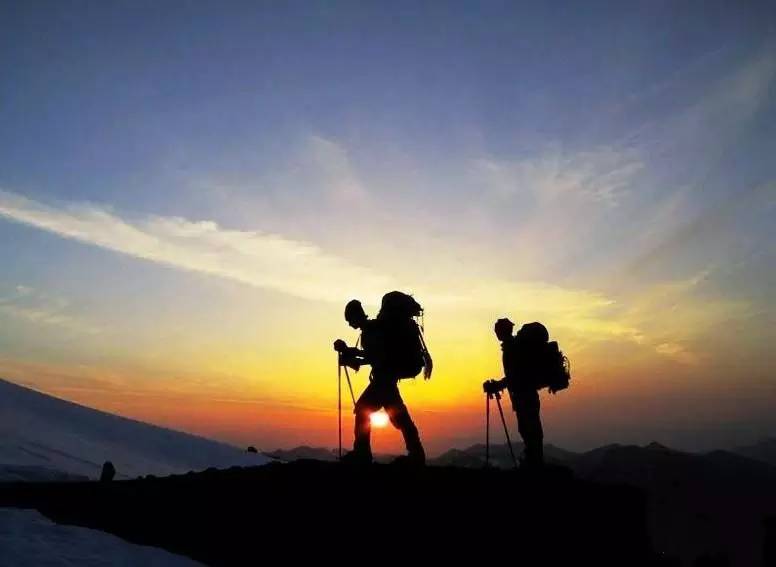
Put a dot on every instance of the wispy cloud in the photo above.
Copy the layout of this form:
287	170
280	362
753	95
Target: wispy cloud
712	224
32	306
739	95
271	261
599	175
556	209
260	259
335	171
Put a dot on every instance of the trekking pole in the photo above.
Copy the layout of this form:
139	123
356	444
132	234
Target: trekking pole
487	430
350	386
506	429
339	404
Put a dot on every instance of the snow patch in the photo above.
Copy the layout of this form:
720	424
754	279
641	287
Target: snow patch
27	539
46	433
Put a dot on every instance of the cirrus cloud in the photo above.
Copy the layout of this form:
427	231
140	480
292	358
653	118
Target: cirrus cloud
261	259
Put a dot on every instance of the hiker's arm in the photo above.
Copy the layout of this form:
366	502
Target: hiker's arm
356	354
352	362
493	386
349	352
350	356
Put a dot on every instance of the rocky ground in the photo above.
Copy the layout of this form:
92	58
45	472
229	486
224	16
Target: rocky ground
319	511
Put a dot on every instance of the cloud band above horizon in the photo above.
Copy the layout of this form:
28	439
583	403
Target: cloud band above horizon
255	258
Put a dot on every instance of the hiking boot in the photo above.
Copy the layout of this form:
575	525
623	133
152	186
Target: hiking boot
356	458
410	461
530	464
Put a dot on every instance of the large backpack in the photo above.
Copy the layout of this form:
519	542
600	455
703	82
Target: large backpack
551	367
405	349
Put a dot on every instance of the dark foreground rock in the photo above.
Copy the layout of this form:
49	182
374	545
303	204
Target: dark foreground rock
310	510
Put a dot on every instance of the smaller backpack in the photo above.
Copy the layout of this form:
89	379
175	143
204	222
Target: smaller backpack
557	368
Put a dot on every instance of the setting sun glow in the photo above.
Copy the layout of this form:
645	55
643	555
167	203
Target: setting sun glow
379	419
608	173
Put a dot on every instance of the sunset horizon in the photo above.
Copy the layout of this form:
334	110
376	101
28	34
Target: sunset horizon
301	279
189	196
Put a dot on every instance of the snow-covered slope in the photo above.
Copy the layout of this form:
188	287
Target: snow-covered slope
44	432
16	473
27	539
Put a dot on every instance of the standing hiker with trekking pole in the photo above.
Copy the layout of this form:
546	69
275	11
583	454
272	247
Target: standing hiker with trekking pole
394	347
530	362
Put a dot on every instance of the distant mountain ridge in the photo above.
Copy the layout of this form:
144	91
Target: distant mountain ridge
500	456
474	455
764	450
47	438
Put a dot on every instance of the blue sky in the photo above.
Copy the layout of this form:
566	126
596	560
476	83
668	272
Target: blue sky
195	176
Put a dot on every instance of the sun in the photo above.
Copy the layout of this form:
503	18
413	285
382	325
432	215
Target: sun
379	419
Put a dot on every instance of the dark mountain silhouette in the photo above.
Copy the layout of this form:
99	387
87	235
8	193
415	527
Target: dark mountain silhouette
312	511
764	450
713	503
474	456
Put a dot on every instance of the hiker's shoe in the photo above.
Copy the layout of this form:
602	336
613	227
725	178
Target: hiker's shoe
409	461
531	466
356	458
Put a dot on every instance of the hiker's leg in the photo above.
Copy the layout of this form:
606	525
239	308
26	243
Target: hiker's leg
401	420
530	426
367	403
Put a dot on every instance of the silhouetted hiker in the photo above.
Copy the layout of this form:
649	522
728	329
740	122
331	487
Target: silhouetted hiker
108	472
393	346
521	360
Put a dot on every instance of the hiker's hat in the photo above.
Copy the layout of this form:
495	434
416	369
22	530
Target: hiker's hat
353	309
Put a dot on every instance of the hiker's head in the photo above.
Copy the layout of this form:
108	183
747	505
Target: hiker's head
354	314
503	329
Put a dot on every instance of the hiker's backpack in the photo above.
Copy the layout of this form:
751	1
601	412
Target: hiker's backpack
551	367
405	349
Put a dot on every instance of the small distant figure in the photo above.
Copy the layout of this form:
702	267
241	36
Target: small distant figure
392	344
530	363
251	449
108	472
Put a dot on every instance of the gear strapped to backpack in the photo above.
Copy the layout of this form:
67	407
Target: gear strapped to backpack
552	367
405	349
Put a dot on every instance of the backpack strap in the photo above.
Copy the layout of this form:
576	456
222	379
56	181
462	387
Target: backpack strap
428	363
